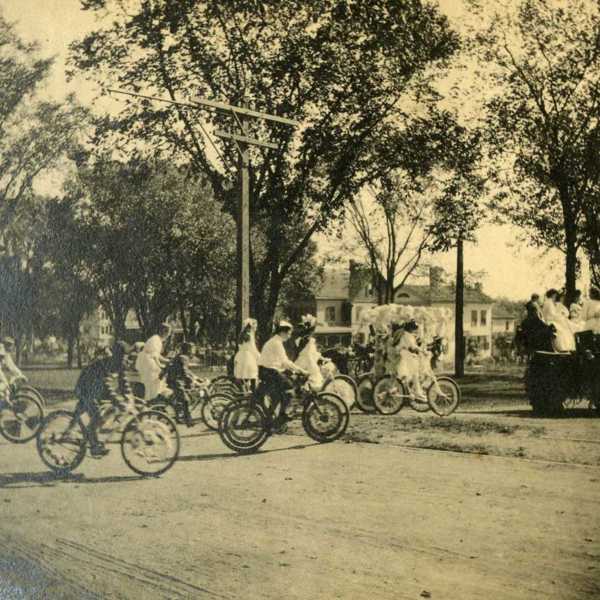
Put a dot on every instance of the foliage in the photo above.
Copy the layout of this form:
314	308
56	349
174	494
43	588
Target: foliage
153	239
340	67
543	127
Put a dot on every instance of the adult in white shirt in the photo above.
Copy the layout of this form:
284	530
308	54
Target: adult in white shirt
590	313
274	361
150	362
564	340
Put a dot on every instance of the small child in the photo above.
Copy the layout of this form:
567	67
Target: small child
180	379
245	363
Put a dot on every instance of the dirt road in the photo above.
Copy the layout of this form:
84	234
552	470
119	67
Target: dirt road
298	520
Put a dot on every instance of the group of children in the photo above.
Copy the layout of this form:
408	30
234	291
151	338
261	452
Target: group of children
399	352
106	379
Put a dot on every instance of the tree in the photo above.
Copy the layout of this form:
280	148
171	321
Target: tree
394	228
64	294
152	238
543	128
340	67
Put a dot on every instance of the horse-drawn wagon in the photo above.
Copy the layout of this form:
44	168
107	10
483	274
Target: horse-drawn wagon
555	381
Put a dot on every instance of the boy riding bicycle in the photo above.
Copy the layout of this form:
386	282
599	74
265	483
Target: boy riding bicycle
273	363
103	379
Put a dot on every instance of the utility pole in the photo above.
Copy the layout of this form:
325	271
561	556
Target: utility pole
243	232
459	329
243	141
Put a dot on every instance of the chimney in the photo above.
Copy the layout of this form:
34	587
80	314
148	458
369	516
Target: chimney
435	278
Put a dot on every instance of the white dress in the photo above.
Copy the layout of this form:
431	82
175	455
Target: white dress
553	315
576	317
245	363
591	316
308	359
148	365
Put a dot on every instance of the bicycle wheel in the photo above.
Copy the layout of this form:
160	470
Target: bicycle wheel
61	442
150	443
364	397
225	385
198	399
445	398
111	423
21	419
325	418
389	395
213	408
28	390
243	427
343	386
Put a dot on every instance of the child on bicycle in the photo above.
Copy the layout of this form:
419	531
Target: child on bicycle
273	363
12	372
103	379
409	359
180	380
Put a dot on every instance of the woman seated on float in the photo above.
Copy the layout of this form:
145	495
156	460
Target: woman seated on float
590	314
555	313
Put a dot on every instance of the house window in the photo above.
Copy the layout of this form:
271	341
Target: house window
330	314
484	317
474	318
507	325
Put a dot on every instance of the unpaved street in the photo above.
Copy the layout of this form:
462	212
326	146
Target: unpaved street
299	520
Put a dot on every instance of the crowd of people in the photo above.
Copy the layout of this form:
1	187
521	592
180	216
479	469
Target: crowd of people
552	323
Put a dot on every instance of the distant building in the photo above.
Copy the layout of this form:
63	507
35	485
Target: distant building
503	323
97	329
345	294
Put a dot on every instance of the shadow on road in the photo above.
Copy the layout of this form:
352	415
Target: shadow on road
220	455
47	479
525	413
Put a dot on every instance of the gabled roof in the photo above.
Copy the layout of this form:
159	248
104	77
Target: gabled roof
335	286
422	295
447	294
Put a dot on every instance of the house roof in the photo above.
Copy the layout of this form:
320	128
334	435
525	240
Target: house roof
335	286
447	294
422	295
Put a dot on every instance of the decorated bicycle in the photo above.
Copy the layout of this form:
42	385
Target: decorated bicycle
406	339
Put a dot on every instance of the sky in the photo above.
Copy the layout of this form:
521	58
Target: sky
513	269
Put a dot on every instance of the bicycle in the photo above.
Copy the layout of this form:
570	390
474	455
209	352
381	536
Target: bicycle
21	416
197	397
245	426
234	391
442	395
149	439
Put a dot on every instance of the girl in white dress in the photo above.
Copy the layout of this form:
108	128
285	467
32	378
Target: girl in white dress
590	313
245	362
149	365
564	340
309	357
408	368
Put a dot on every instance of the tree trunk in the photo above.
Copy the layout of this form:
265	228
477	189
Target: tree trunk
459	334
571	264
70	351
79	357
